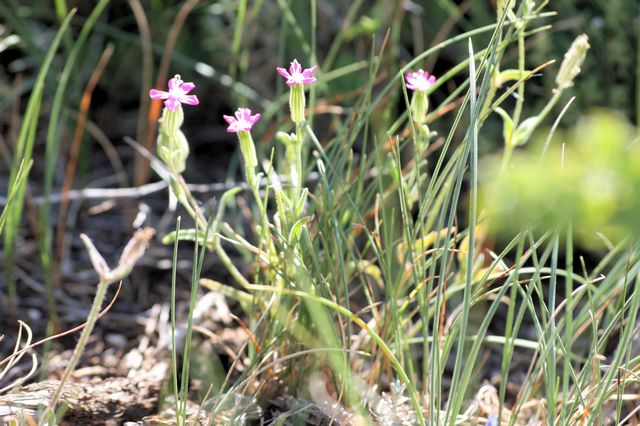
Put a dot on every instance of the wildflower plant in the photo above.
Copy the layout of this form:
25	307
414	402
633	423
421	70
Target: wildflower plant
296	79
172	145
420	83
241	124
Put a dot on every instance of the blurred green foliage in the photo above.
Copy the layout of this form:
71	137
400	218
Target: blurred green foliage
590	175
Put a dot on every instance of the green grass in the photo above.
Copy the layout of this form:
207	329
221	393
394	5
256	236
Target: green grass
410	276
23	155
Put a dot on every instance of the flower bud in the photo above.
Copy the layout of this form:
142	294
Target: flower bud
419	106
172	145
524	131
173	150
172	120
248	150
572	62
297	103
286	139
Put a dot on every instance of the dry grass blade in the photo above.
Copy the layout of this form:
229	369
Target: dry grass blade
11	358
17	356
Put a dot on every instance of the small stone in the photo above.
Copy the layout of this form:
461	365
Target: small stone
116	340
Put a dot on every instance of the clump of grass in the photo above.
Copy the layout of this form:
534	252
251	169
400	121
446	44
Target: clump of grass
374	262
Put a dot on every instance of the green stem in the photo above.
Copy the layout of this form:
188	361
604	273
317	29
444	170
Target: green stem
194	210
549	106
506	159
77	352
521	63
174	352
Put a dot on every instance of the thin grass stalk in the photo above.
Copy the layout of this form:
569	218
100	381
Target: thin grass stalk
511	332
551	387
627	328
568	324
519	28
465	149
295	27
477	343
61	12
446	221
198	261
236	40
473	218
23	153
313	58
174	343
21	177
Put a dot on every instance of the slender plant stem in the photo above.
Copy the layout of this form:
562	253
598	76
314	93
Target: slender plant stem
174	354
77	352
194	210
521	64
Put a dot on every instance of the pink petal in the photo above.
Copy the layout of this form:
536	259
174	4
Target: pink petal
295	67
175	82
283	72
187	87
245	114
158	94
189	99
254	119
229	119
309	71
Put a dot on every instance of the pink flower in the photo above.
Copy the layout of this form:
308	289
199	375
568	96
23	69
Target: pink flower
420	81
242	122
295	75
177	94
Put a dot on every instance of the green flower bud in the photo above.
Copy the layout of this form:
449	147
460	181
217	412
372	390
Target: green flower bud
419	106
248	150
173	150
172	120
172	145
297	103
524	131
